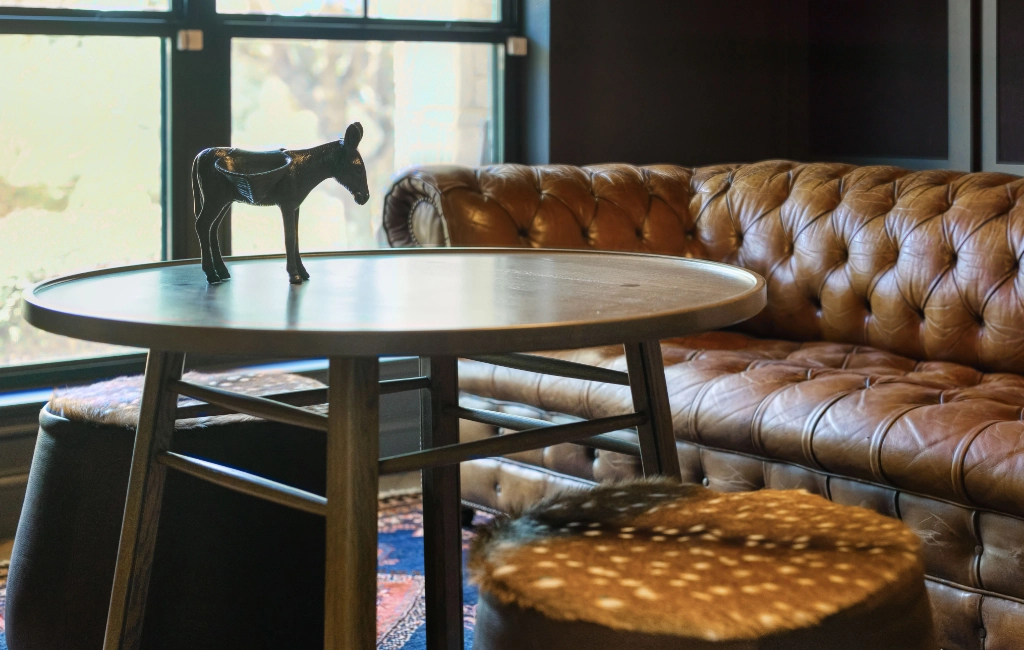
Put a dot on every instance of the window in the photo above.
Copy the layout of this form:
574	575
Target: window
103	107
307	92
80	181
457	10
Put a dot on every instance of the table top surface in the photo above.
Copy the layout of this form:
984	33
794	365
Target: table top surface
397	302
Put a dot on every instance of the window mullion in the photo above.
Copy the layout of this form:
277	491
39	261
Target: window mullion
199	116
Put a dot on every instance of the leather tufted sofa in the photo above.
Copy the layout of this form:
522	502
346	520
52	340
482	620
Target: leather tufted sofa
887	370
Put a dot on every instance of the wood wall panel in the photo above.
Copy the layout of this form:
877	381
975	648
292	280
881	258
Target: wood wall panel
12	493
689	82
17	442
1010	80
879	78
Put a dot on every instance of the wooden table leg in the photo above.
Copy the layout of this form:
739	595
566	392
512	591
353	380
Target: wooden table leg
650	395
142	507
350	599
442	532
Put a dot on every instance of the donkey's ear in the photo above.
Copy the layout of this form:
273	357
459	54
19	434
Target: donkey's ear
353	134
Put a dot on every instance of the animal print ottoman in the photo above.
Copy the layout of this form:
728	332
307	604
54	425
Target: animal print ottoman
657	565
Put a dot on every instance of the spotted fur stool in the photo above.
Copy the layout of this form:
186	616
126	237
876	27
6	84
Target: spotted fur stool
655	565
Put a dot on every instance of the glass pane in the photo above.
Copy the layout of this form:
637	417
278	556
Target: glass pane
417	102
292	7
80	187
436	9
95	5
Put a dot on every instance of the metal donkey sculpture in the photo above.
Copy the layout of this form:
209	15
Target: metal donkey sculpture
223	175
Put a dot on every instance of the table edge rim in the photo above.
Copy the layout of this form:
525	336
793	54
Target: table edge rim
664	324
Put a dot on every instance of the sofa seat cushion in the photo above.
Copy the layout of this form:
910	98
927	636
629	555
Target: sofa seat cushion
938	429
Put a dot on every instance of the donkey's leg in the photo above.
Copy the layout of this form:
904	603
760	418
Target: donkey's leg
298	254
204	226
218	259
291	242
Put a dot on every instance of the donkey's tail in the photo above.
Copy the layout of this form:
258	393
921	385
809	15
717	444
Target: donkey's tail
200	168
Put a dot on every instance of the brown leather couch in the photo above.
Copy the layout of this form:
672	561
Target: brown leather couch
887	370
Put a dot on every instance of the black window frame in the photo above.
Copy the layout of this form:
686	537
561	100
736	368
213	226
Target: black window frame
196	110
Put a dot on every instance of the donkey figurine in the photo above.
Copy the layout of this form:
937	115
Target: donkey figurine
284	178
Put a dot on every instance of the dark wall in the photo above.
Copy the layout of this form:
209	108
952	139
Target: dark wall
878	78
691	82
1010	75
696	82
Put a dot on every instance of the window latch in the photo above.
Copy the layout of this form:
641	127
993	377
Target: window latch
516	46
190	40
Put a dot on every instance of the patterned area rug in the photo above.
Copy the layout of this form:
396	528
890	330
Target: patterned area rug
400	562
400	604
3	598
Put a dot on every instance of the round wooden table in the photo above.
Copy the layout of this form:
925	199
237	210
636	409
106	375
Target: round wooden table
439	304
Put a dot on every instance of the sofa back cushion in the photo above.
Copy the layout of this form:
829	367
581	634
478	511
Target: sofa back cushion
923	264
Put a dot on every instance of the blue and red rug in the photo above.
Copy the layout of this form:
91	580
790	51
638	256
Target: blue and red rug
3	597
400	604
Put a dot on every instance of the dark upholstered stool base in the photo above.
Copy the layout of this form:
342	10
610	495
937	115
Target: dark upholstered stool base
509	627
230	571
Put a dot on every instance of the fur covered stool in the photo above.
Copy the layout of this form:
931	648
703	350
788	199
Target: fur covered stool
657	565
229	571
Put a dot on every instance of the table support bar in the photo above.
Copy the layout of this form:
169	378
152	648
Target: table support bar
522	423
557	367
507	444
306	397
260	407
246	483
389	386
610	443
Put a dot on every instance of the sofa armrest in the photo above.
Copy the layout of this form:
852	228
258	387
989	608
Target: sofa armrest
452	205
413	215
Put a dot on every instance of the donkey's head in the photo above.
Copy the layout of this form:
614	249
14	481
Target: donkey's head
350	170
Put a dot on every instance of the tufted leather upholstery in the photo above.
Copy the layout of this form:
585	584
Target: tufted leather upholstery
886	370
923	264
934	428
